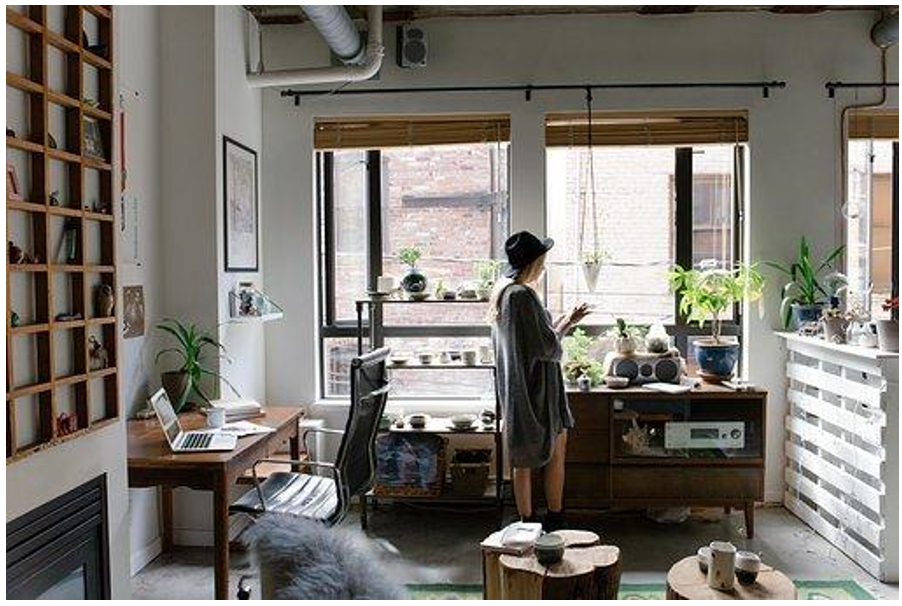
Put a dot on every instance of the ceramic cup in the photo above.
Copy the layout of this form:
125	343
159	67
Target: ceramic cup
444	358
469	357
485	354
385	284
704	558
747	566
721	568
216	417
549	549
425	358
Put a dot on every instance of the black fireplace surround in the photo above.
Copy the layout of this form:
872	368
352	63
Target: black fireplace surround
60	550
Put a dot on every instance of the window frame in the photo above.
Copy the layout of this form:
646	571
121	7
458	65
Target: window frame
329	326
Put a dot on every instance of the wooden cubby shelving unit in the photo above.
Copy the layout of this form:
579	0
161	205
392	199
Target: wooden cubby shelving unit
48	368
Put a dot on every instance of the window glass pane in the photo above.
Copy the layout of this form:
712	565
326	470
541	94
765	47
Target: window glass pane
869	224
349	231
634	212
451	202
337	356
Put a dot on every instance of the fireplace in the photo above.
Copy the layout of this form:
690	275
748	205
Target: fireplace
60	550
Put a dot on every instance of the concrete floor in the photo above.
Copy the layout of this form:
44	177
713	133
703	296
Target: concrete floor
429	545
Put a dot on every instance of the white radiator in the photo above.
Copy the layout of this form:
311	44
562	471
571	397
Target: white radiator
842	448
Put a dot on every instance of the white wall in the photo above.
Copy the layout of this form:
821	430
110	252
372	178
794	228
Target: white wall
793	137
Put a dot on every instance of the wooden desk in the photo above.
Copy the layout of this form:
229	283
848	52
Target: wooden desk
152	463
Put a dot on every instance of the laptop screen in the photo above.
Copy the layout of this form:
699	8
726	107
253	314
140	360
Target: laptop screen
166	415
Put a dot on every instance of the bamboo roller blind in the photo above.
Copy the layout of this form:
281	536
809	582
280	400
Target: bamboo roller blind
874	124
373	133
646	128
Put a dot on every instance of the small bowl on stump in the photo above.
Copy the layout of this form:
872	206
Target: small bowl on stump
549	549
747	566
704	558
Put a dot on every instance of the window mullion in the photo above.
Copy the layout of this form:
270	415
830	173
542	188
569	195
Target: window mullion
374	238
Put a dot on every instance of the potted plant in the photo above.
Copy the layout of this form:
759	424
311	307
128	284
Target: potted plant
579	362
626	337
592	266
705	295
834	324
888	330
192	343
803	297
414	281
486	274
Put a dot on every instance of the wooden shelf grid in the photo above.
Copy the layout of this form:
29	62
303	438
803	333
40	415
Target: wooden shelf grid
49	370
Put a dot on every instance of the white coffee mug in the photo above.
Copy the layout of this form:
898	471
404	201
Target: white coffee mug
469	357
722	566
485	354
216	417
385	284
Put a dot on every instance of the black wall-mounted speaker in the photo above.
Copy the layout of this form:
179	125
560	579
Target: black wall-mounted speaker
412	47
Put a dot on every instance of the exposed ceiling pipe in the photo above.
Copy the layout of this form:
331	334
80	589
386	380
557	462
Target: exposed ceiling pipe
885	32
334	30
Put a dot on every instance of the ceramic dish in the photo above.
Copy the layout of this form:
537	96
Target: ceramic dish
616	382
399	360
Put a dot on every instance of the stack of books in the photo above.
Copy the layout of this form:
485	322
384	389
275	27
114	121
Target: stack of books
237	410
515	539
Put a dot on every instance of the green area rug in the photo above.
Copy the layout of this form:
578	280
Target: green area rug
808	590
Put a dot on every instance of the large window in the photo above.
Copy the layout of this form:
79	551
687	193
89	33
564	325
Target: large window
655	206
449	200
872	227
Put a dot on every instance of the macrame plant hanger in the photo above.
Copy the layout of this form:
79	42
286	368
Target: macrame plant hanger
591	259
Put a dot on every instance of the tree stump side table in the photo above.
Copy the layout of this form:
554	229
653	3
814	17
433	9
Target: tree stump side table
588	571
686	582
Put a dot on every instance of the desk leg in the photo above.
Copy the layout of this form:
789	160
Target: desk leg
221	538
750	520
166	510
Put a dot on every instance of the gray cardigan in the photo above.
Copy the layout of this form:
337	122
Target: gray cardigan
529	379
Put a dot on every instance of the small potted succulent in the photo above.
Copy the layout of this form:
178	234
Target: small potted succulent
414	281
705	296
626	337
804	296
486	274
888	330
834	323
592	266
578	358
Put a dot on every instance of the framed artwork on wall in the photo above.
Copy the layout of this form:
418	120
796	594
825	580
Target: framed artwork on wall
240	198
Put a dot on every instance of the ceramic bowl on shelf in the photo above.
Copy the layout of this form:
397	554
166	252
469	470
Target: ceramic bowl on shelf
616	382
399	360
418	420
425	357
463	422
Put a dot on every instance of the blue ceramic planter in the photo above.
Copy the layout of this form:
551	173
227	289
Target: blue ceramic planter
717	360
414	281
802	314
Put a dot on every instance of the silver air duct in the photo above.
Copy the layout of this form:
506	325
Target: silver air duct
363	62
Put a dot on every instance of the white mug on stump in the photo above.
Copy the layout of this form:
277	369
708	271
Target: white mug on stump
722	566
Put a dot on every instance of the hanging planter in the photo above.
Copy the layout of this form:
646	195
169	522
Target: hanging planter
592	267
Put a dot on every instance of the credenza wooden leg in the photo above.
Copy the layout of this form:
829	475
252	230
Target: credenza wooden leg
750	520
166	513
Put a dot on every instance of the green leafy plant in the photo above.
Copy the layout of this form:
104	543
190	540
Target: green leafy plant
624	330
577	351
804	287
487	272
709	292
192	343
594	257
409	255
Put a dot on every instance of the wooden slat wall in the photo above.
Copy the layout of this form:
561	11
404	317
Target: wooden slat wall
874	124
375	133
842	450
649	128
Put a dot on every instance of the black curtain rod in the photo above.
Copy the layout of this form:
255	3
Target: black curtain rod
832	86
528	89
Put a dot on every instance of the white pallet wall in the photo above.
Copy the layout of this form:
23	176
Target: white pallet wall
842	449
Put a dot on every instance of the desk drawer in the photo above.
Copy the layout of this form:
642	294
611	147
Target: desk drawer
732	483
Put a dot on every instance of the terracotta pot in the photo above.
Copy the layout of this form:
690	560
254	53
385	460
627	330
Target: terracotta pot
175	382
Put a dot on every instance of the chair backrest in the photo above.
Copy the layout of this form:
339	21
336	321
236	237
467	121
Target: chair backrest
356	459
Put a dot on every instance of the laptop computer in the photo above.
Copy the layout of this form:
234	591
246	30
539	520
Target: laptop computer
187	441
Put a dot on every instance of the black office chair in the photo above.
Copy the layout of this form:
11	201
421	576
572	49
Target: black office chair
327	499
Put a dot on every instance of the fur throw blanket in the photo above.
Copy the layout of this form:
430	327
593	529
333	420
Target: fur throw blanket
302	559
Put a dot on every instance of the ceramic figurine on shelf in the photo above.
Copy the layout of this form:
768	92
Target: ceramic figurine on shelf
65	424
15	253
55	198
10	132
14	319
51	141
104	300
67	316
100	358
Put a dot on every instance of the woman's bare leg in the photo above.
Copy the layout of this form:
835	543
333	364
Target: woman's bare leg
522	477
554	474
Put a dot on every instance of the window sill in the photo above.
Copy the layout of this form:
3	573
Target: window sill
407	406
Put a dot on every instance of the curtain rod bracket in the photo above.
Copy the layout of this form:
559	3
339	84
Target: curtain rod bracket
527	92
765	92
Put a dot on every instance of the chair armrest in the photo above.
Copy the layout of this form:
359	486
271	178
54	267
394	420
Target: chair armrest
337	432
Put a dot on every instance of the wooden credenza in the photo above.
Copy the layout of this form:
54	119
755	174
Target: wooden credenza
605	471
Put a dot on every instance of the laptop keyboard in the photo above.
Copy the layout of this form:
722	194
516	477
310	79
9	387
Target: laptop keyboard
195	441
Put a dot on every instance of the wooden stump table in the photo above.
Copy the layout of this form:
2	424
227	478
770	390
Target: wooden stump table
686	582
589	571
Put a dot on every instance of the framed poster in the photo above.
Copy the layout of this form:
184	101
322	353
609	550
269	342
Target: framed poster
240	197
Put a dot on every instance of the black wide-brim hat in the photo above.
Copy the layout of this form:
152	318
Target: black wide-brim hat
523	248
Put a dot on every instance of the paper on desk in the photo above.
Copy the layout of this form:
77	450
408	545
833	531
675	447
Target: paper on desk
245	428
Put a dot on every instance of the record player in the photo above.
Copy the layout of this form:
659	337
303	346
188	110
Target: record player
641	368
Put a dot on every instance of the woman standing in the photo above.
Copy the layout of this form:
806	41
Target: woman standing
529	378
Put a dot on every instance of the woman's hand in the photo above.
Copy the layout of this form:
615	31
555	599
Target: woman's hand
572	318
